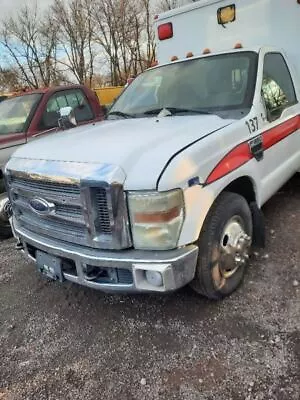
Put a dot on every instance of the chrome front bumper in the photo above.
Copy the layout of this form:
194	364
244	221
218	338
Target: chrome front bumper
177	267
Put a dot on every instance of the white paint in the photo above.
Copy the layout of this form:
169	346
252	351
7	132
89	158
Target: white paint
6	152
141	147
144	147
258	23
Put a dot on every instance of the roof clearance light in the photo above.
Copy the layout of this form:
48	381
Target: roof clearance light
238	46
226	14
154	63
189	54
206	51
174	58
165	31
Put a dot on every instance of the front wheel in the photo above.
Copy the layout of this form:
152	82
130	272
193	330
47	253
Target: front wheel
224	247
5	229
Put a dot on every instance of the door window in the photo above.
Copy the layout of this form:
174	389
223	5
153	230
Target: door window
277	88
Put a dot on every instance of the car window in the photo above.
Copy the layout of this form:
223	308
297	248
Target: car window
67	98
277	88
221	83
16	113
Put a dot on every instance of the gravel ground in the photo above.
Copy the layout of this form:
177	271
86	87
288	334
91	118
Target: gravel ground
68	342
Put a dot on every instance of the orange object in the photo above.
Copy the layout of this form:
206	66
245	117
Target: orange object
159	217
238	46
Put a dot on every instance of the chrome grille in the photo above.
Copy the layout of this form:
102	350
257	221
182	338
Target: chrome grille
66	222
90	216
102	211
52	227
41	186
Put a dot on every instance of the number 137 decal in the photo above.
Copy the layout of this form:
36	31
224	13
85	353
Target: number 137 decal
252	124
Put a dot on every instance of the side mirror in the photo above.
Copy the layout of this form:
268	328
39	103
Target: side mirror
67	118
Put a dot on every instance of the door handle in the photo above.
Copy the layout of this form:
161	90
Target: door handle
256	148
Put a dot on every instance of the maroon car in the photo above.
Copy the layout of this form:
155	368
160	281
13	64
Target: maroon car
34	113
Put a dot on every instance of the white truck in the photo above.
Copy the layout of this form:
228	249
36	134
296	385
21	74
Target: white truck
168	191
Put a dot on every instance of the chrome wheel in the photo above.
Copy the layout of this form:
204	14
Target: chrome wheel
231	253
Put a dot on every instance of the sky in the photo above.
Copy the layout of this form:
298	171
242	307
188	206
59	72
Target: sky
8	7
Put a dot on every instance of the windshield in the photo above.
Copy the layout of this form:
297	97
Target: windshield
214	84
15	113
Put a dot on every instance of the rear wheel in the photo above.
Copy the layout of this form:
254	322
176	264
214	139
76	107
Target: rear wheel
224	247
5	229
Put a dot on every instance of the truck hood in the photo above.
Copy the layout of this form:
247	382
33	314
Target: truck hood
141	147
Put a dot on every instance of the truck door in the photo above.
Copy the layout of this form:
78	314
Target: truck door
280	139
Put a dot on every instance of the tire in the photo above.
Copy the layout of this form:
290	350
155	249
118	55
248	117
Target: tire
5	228
224	247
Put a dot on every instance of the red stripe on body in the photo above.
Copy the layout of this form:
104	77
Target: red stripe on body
242	154
233	160
280	132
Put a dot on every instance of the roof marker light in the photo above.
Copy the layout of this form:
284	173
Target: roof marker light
154	63
206	51
189	54
174	58
238	46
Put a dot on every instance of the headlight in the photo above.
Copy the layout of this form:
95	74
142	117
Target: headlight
156	219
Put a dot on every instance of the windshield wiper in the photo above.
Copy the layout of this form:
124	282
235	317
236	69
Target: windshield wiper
121	114
175	110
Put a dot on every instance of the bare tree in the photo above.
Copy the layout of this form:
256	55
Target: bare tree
149	33
123	29
9	79
76	37
106	35
165	5
30	43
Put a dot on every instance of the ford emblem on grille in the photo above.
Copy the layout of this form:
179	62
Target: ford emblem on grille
41	206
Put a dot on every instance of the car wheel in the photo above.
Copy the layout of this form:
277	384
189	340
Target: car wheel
224	247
